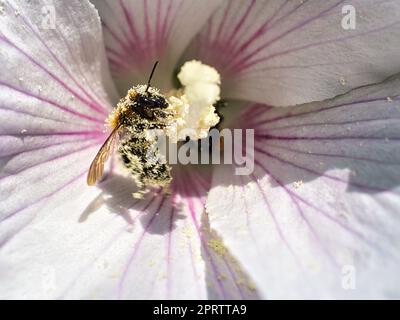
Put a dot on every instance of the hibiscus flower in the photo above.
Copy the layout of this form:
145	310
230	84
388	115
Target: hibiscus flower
318	217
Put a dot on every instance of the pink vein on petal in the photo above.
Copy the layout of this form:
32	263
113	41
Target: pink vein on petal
53	103
137	245
90	104
10	214
37	35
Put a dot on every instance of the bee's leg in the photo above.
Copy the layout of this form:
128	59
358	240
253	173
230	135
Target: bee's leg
142	190
166	190
139	194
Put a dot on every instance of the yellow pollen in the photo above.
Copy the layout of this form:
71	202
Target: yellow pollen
298	184
217	246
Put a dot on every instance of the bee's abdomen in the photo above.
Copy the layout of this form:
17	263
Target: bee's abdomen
141	160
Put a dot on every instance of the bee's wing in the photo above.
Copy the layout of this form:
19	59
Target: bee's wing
97	167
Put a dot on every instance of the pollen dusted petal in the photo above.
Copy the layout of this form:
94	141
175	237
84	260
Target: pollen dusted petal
323	198
291	52
111	246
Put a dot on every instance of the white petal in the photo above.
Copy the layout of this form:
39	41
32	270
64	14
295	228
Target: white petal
137	33
62	69
323	200
291	52
105	244
52	105
52	99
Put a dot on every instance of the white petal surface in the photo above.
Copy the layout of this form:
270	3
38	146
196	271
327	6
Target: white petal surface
323	200
105	244
139	32
52	100
282	52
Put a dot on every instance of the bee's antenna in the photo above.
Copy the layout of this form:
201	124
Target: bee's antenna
151	76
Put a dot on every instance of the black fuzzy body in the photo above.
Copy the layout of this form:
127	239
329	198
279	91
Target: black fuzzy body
146	112
149	105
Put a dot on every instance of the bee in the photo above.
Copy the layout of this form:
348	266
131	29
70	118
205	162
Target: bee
142	109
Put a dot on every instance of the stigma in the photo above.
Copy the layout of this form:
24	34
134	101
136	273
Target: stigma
193	104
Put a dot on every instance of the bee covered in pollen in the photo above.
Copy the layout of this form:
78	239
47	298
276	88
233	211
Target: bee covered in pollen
143	109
